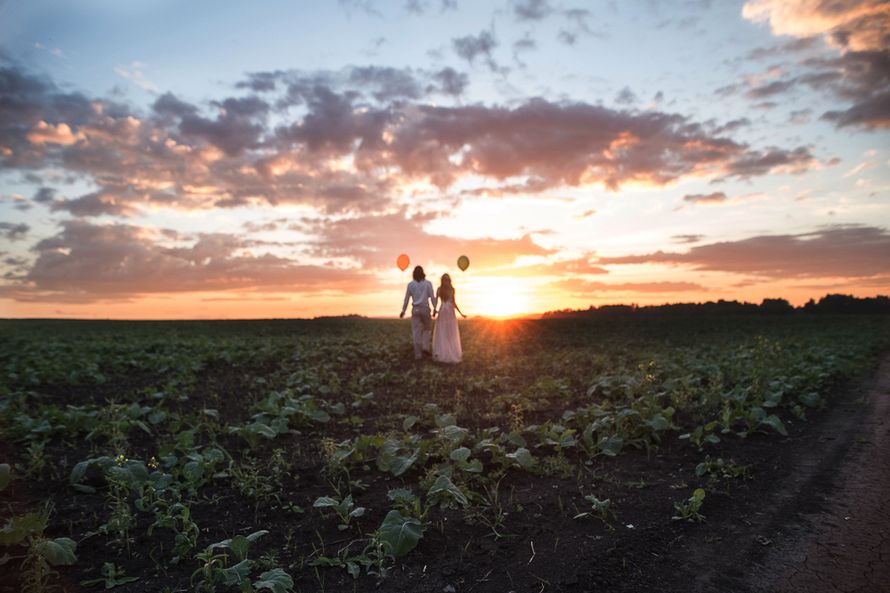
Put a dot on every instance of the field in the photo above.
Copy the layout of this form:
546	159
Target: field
562	455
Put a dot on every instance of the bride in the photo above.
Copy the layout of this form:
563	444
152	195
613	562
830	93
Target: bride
446	337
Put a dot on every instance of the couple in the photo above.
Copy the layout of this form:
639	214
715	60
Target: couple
446	341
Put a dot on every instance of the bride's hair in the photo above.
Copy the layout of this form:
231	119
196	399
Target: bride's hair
419	276
446	290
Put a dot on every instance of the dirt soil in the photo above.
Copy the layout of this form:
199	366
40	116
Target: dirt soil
813	517
824	526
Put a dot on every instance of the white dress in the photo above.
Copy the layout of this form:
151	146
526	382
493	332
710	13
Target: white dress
446	336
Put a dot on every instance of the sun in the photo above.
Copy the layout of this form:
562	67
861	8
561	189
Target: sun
495	297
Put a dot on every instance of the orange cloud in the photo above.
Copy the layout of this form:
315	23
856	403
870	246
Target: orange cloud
44	133
859	25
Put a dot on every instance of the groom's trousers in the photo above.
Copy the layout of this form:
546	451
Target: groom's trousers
422	329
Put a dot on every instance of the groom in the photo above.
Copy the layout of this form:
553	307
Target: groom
420	290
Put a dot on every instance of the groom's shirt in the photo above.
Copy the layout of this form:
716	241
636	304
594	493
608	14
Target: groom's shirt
419	292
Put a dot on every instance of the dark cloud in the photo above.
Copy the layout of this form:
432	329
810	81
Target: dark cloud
775	87
90	262
756	163
13	231
871	113
716	197
449	81
571	144
532	10
626	97
773	52
239	125
860	75
732	125
576	25
687	238
849	251
527	43
169	105
480	46
347	142
423	6
94	204
388	83
44	195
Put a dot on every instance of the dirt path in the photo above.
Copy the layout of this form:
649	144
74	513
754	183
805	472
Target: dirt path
843	544
819	521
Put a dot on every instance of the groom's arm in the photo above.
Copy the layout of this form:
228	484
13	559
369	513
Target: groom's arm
434	297
405	304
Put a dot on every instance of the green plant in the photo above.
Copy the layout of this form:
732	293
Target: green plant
41	554
720	469
344	508
239	544
601	509
688	510
112	576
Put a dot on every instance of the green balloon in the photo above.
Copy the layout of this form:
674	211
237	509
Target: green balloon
463	262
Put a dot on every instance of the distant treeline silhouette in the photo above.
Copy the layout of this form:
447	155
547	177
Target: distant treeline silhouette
829	304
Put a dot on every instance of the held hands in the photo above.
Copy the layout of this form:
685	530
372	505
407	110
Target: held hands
434	312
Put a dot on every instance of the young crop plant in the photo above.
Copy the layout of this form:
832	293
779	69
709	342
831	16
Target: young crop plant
602	509
407	503
177	517
345	509
717	469
688	510
40	553
112	576
702	435
214	571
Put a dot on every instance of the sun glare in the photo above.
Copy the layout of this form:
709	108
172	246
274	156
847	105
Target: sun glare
496	297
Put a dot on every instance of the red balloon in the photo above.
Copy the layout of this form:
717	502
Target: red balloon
402	261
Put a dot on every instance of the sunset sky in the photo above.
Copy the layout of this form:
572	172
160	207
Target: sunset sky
226	159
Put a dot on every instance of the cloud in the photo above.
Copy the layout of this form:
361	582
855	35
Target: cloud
44	195
687	238
579	287
717	197
860	29
800	116
375	240
349	141
449	81
86	262
845	251
872	113
471	47
13	231
851	24
626	97
237	127
532	10
571	144
134	73
94	204
44	133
